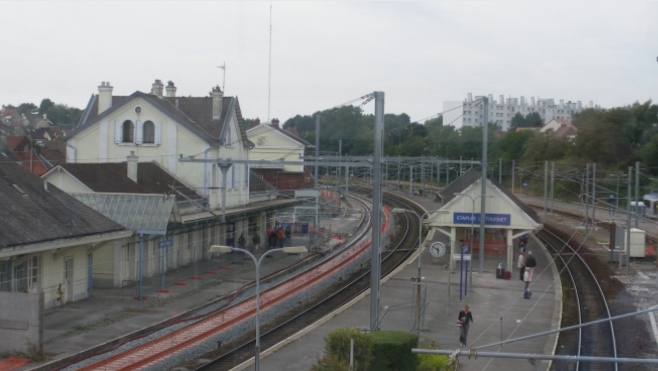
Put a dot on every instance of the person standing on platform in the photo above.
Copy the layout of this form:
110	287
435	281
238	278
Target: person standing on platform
279	237
256	240
272	239
241	241
530	262
521	265
527	278
466	318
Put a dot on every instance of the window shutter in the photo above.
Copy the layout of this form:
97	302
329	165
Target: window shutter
139	132
158	132
118	132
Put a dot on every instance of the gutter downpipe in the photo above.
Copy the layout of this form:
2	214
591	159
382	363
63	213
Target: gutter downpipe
205	174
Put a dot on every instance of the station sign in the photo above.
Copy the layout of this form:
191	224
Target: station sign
490	219
165	243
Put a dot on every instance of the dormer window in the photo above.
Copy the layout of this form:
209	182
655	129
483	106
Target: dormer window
128	132
149	132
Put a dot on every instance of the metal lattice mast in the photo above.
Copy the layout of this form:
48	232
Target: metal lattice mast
269	78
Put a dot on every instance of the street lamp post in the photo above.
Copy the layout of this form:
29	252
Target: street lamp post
420	236
288	250
470	242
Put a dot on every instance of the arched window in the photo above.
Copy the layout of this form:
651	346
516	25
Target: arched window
149	132
128	132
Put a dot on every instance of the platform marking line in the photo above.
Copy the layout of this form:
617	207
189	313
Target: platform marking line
653	326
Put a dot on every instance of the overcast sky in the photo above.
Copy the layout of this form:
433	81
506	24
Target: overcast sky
326	53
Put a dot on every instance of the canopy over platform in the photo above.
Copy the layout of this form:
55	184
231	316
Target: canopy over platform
462	201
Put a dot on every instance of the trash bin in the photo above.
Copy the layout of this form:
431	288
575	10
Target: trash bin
500	271
508	275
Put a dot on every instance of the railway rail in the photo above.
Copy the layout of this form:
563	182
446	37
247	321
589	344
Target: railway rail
594	340
399	250
147	356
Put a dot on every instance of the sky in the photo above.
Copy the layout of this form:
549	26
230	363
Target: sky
328	53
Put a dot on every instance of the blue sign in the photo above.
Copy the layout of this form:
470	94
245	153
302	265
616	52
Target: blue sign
490	219
166	243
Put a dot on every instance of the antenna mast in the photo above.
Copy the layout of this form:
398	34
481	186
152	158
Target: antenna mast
269	82
223	67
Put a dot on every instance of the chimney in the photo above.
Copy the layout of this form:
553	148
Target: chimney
156	88
45	185
217	102
132	166
275	123
470	97
490	101
171	90
104	97
561	103
532	101
502	99
522	100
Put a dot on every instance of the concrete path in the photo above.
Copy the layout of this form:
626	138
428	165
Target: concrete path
497	305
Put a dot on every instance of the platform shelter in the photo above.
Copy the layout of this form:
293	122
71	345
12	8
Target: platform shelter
507	218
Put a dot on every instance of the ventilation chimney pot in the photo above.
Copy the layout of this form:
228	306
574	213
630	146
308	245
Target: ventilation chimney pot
217	96
132	166
171	89
156	88
104	97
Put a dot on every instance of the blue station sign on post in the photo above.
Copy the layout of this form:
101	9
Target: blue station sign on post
165	243
489	219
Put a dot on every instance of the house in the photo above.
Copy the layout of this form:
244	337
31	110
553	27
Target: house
48	238
561	129
271	142
162	127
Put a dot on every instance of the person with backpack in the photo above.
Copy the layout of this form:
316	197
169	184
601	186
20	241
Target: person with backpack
521	265
241	241
530	262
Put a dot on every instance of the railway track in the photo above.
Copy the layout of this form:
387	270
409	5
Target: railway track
398	251
594	340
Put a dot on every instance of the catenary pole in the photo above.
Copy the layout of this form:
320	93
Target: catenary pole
500	170
587	201
594	197
628	222
513	174
552	185
317	176
637	193
375	259
485	130
545	187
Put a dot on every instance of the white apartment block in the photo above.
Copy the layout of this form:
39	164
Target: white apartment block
470	111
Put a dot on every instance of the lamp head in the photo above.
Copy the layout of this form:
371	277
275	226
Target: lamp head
295	250
220	249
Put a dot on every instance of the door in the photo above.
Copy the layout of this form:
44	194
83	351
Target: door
20	277
68	278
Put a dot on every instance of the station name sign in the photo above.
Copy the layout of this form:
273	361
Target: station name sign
489	219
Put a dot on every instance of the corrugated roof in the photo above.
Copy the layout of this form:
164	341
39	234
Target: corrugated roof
30	214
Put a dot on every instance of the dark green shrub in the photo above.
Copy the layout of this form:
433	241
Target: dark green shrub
337	344
330	363
392	351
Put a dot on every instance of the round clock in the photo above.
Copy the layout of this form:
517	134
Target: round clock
437	249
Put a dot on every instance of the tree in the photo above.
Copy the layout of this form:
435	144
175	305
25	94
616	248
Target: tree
533	120
26	107
45	104
517	122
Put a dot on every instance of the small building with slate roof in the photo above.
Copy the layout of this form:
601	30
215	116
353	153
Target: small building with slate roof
273	143
506	216
48	238
162	127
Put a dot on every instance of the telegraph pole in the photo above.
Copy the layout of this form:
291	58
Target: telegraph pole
587	201
513	173
594	197
637	193
545	187
552	184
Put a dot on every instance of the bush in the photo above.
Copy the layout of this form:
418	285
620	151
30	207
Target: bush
337	345
433	362
392	351
330	363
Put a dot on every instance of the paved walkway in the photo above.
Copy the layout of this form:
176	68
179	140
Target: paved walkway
499	311
113	313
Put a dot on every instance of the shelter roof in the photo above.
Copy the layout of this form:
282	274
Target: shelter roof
31	214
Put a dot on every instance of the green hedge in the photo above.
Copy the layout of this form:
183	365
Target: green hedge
392	351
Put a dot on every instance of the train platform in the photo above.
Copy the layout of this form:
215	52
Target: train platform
499	311
115	312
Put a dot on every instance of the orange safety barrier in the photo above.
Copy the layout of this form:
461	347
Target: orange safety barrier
13	363
154	351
